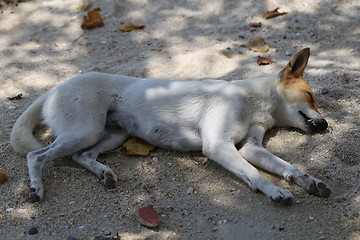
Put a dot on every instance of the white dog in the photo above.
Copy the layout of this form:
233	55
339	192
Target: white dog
97	112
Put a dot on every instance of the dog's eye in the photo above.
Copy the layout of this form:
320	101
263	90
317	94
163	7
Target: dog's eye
311	97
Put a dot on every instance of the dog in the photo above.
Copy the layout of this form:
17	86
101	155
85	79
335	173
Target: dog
97	112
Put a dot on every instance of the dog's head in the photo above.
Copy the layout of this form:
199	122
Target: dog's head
299	108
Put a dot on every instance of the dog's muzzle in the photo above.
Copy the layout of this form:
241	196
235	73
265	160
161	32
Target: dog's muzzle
314	125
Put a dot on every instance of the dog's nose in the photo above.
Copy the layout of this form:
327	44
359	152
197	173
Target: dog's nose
321	125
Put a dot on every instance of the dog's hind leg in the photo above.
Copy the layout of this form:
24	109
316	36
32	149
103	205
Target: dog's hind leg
253	151
63	145
112	139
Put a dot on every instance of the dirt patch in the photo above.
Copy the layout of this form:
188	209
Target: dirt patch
42	45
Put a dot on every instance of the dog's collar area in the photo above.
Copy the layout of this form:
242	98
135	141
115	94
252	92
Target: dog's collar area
314	125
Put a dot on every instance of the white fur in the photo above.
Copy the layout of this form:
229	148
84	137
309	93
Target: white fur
98	112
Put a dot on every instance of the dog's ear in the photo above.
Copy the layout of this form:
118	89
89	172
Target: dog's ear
297	64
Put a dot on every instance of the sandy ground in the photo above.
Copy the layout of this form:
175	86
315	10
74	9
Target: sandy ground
42	45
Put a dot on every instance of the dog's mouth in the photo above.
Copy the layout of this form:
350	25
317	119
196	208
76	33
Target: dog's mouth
314	125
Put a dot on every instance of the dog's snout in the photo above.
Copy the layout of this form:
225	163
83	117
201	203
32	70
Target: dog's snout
314	125
321	125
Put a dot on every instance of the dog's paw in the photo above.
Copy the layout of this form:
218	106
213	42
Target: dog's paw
35	194
282	196
311	184
109	179
318	189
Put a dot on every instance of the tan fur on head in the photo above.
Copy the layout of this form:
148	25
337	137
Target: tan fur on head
292	84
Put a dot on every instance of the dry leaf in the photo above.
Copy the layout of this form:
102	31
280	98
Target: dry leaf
3	176
129	26
255	24
148	216
273	13
264	61
92	20
258	45
137	147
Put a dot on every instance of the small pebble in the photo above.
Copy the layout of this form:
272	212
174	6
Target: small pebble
21	210
186	213
288	53
33	231
190	190
223	221
324	91
71	237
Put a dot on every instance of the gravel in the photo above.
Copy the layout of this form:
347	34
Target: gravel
42	45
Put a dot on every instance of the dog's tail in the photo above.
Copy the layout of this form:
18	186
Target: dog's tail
22	139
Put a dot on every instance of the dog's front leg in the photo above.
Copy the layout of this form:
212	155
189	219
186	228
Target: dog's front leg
227	156
253	151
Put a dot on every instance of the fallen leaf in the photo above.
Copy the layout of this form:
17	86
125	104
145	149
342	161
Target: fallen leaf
273	13
17	97
137	147
148	216
129	26
3	176
255	24
92	20
264	61
258	45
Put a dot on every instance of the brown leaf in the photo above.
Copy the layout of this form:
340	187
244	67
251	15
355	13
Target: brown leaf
92	20
255	24
148	216
264	61
3	176
258	45
137	147
273	13
129	26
